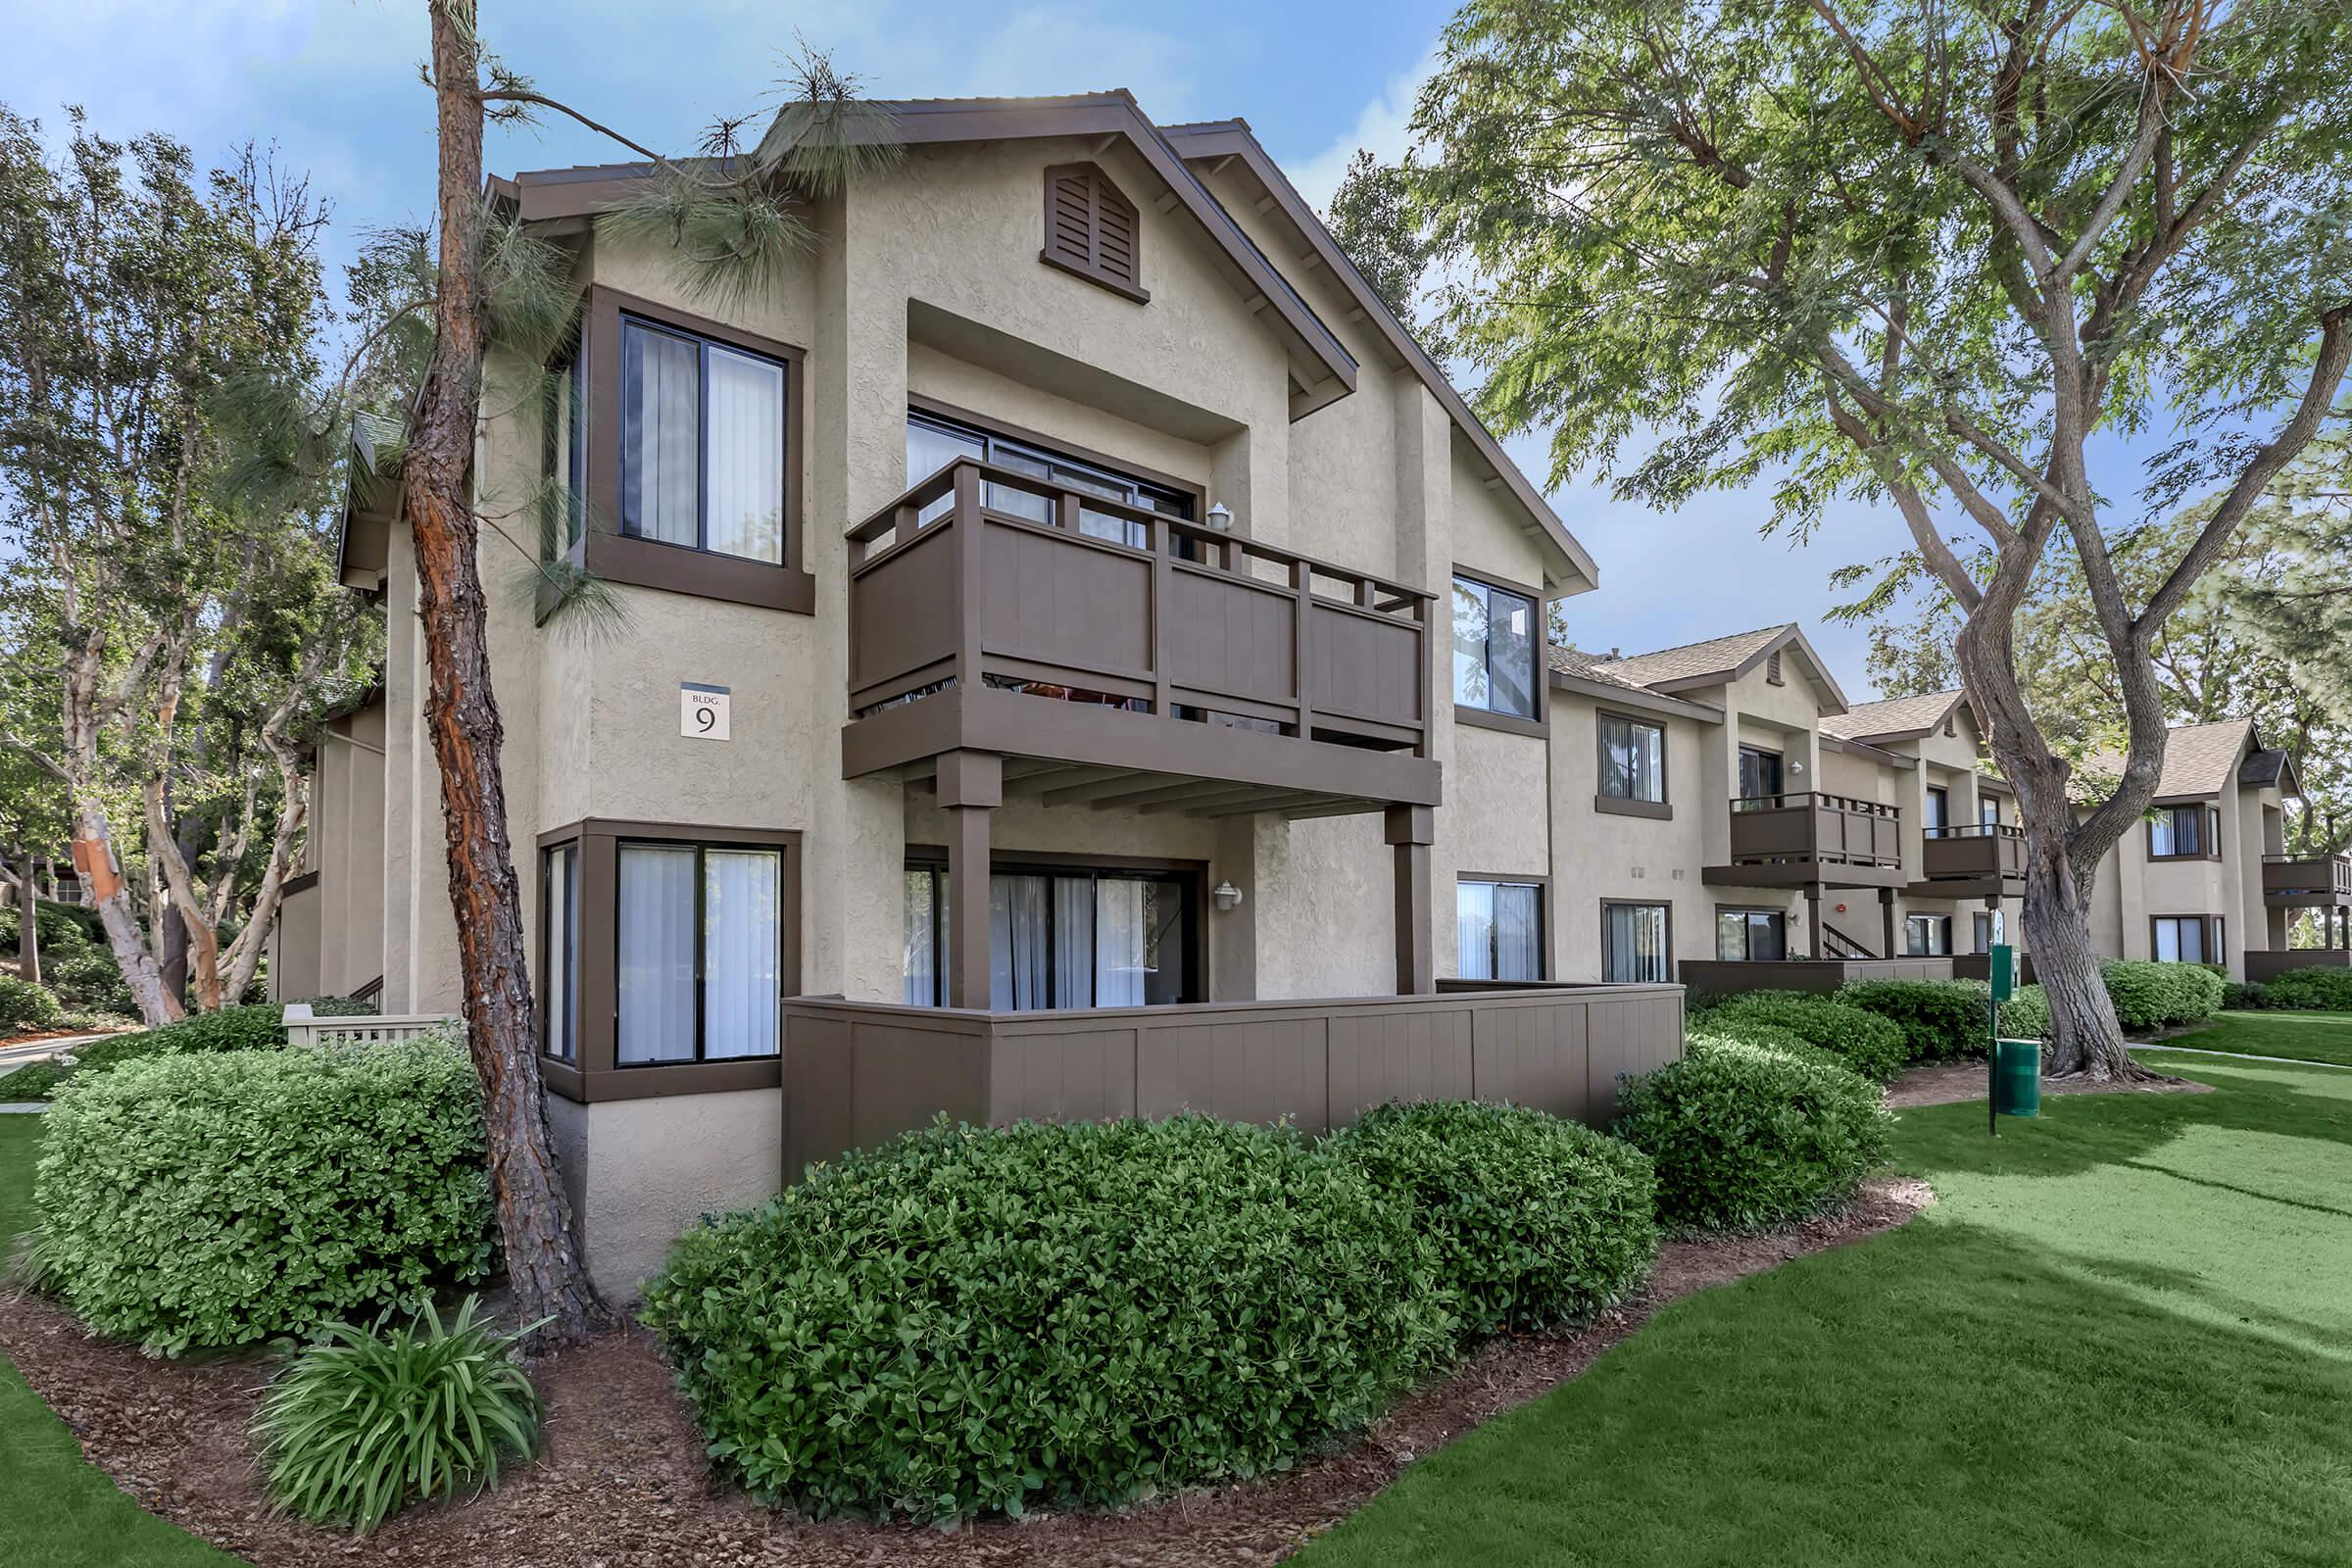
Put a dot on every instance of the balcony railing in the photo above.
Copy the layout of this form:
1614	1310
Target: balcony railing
985	578
1972	849
2292	879
1807	826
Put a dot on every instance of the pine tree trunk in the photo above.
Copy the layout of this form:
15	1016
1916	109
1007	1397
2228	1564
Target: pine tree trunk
542	1253
29	926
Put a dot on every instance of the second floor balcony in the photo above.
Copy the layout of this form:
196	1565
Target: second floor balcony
1140	655
1804	837
2294	881
1973	850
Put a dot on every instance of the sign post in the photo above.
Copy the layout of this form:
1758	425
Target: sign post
2004	983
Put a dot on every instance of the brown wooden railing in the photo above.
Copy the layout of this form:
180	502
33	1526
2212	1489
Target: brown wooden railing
1974	849
2321	878
1104	602
1808	825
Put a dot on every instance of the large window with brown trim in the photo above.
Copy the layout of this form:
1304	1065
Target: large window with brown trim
1499	930
1926	934
1635	943
934	440
2184	833
2186	939
1092	230
1062	936
1632	759
702	443
1496	639
1751	935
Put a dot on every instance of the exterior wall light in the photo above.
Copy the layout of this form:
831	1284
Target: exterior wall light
1228	895
1220	518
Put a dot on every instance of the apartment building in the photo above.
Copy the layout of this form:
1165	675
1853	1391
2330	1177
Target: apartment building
2207	878
1080	657
1728	818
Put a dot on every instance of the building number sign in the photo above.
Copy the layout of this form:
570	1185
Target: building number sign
702	711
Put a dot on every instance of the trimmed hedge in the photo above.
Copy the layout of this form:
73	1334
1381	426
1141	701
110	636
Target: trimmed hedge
26	1007
2318	990
1744	1137
970	1320
2155	996
1539	1222
222	1198
1940	1019
255	1027
1870	1045
2025	1015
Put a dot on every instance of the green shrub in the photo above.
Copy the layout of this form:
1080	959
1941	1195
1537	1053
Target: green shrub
258	1028
968	1320
87	979
2251	998
2318	990
35	1079
1870	1045
369	1419
2025	1015
224	1197
2154	996
1744	1137
62	926
26	1007
1538	1222
334	1008
1748	1030
1940	1019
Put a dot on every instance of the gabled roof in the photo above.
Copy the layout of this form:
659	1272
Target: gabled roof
1224	139
1895	719
1716	661
2199	759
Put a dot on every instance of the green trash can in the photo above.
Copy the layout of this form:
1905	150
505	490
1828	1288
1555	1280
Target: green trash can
2016	1077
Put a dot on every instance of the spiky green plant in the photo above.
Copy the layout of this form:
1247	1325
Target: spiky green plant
369	1419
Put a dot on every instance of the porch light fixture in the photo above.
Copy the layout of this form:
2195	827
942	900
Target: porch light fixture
1228	895
1220	518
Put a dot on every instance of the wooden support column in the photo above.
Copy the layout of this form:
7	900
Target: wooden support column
1818	949
1887	919
971	786
1410	829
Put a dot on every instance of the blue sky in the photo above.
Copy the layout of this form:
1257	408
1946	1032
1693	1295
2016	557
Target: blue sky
333	85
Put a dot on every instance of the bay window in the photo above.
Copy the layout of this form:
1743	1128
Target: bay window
2188	939
702	443
2184	833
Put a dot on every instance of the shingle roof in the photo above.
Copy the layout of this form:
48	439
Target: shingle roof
2198	758
1893	716
1570	661
1717	656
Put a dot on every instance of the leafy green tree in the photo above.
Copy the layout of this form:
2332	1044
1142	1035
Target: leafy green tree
1920	255
1372	216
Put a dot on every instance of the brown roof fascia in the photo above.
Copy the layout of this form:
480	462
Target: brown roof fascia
1223	138
1640	699
550	194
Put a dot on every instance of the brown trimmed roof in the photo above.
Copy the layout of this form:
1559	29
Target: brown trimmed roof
1895	718
575	192
2198	758
1716	661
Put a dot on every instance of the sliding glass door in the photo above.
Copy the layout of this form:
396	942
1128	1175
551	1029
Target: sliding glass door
1061	937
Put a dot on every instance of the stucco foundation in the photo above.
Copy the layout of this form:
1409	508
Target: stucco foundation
642	1172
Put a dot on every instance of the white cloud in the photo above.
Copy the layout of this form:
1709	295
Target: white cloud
1056	49
1384	128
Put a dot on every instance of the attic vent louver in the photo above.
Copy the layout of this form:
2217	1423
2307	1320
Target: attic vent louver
1092	231
1772	669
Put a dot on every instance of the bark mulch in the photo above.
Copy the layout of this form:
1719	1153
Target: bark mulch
622	1483
1948	1083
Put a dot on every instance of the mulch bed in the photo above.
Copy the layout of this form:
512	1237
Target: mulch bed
623	1486
1950	1082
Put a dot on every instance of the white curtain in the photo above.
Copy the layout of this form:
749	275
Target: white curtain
1017	935
921	960
741	893
1636	944
747	456
660	437
1122	962
1518	924
657	954
1074	942
1474	930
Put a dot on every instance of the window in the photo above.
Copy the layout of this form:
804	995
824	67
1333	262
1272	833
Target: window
1060	938
697	951
1988	930
1751	935
702	443
1940	811
564	456
1989	811
2184	833
1926	934
1499	930
1632	759
558	951
1495	636
2188	939
1759	774
1090	229
1633	945
934	441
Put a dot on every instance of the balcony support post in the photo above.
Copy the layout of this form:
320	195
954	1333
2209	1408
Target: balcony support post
1410	831
971	786
1887	919
1813	933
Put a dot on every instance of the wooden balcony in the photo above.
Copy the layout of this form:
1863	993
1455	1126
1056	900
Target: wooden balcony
856	1073
1130	654
1971	860
1807	837
2303	881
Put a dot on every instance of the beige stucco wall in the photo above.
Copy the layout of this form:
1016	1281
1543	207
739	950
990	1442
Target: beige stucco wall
642	1172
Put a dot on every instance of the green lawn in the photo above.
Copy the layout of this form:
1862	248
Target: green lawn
2304	1036
2124	1337
60	1512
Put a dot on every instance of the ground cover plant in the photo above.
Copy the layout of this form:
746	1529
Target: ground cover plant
1870	1045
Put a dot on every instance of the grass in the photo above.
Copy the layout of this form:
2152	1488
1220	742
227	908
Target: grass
61	1511
2304	1036
2122	1337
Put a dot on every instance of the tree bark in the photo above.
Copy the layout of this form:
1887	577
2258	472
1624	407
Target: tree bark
110	893
535	1223
29	929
